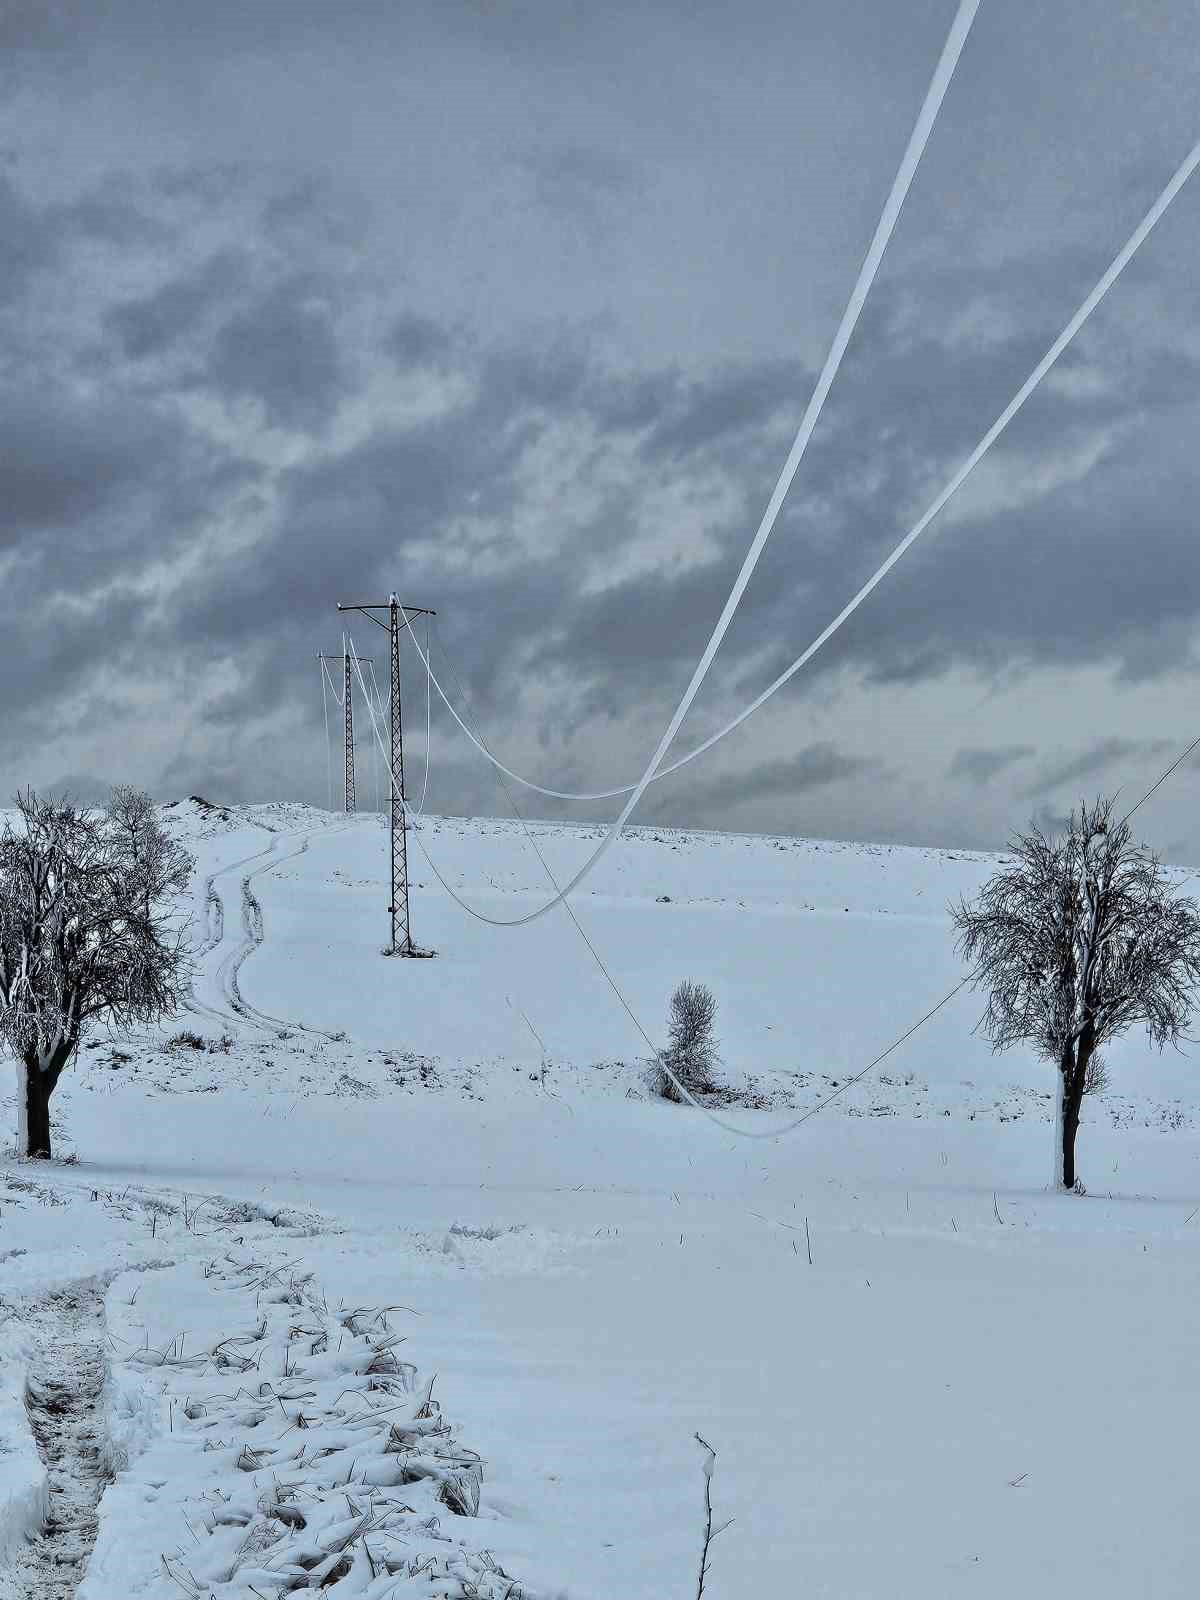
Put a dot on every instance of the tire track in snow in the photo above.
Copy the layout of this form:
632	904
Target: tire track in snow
254	936
214	936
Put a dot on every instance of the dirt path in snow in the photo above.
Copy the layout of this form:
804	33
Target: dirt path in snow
64	1387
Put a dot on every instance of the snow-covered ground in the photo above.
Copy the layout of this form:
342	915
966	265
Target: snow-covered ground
976	1386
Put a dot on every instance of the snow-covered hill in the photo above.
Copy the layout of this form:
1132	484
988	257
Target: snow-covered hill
819	953
969	1367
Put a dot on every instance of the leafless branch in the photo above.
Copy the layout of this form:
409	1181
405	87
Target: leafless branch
710	1533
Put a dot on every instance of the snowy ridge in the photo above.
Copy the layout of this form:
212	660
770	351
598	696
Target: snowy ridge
780	928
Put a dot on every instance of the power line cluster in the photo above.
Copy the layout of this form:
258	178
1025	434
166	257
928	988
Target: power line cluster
403	815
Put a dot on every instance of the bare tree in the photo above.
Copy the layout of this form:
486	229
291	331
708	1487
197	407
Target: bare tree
1076	940
158	864
88	934
692	1052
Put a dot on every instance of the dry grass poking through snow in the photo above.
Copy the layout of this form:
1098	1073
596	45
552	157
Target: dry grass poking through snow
320	1460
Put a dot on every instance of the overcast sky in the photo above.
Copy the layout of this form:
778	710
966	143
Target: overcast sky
513	306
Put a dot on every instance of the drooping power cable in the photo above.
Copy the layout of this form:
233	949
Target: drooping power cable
943	73
655	1052
339	697
1089	305
420	806
1158	783
328	750
1181	176
378	693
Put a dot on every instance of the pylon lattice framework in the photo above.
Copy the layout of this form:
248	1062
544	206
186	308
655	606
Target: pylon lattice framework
398	908
348	699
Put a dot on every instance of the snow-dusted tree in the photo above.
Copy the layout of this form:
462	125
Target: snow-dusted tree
154	857
1076	940
692	1053
87	935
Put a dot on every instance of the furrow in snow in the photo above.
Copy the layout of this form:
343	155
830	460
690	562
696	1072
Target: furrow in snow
63	1387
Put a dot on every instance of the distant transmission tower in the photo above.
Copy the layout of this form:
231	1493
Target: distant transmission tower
348	699
348	719
401	926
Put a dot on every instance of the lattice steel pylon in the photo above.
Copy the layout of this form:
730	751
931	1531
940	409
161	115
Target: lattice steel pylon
401	926
347	714
348	701
398	908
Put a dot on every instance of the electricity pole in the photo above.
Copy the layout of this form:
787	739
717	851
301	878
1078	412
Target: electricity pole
348	707
402	940
348	718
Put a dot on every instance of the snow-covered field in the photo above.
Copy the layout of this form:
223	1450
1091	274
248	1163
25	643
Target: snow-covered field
976	1387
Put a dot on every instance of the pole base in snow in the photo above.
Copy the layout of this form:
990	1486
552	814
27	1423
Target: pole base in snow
412	951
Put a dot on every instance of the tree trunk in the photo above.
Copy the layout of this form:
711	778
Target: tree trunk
37	1112
1064	1077
1072	1105
22	1108
40	1084
1070	1129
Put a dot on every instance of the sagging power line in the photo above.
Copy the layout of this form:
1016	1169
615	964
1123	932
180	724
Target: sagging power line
890	215
623	1001
1085	310
921	132
910	161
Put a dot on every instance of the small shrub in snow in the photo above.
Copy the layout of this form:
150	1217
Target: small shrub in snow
692	1055
186	1040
